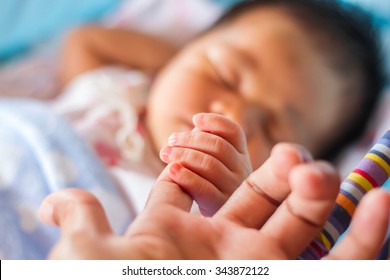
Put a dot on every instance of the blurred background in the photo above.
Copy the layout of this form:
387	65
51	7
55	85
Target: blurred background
26	23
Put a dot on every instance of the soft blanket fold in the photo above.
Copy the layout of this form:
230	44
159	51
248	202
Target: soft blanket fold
40	154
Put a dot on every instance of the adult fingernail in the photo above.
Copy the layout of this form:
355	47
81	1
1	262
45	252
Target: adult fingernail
199	118
46	213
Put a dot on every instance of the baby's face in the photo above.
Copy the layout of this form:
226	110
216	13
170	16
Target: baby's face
263	71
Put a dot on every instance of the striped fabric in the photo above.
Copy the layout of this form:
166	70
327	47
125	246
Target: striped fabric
372	172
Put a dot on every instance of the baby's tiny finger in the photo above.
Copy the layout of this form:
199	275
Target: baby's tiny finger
206	166
214	146
224	127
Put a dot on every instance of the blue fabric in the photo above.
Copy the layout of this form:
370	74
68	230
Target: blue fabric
40	154
25	22
226	3
379	8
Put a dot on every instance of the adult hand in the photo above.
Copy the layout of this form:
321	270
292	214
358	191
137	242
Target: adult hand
274	214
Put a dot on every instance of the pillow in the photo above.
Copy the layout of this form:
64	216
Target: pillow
23	23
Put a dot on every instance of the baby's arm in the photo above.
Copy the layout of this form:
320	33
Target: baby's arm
209	162
91	47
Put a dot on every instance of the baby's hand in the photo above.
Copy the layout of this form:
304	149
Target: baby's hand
209	162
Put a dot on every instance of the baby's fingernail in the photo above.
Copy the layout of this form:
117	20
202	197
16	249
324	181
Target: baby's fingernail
164	153
175	168
199	118
172	140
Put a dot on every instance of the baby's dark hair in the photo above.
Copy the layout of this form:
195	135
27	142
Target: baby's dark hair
352	44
